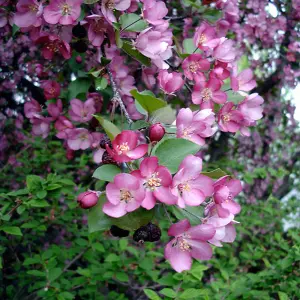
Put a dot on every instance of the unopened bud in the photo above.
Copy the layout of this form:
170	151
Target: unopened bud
156	132
87	199
78	59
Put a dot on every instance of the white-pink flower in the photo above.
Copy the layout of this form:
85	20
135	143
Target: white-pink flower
79	138
154	11
243	81
170	82
82	111
108	7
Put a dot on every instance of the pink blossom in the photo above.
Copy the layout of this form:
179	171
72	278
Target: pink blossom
40	126
203	35
225	189
194	66
155	43
63	125
224	51
32	109
156	132
51	89
108	7
230	119
243	81
98	27
124	195
125	147
28	13
220	71
98	100
189	242
52	45
131	108
207	93
64	12
154	11
82	111
97	155
79	138
148	76
195	126
156	181
170	82
190	187
55	109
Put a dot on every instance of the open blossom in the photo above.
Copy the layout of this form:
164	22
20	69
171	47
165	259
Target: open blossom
156	181
224	51
82	111
189	242
195	126
225	230
32	109
207	93
124	195
203	35
98	27
230	119
52	45
55	109
79	138
64	12
40	126
126	148
170	82
190	187
28	13
155	43
154	11
148	76
225	189
243	81
220	71
51	89
108	7
251	110
63	126
194	66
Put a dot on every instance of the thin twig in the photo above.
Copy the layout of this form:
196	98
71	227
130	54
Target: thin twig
117	97
74	260
167	214
130	24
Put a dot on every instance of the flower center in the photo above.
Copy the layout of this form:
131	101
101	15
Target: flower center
83	136
184	245
99	25
110	4
206	94
183	187
65	9
123	148
226	118
153	182
187	133
53	47
229	198
125	195
193	67
202	39
33	8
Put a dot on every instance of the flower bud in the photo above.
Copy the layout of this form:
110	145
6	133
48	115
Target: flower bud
87	199
78	59
156	132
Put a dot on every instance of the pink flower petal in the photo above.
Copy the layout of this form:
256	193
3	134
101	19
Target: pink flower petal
164	194
179	227
149	200
138	152
201	232
148	166
193	198
113	193
115	211
200	250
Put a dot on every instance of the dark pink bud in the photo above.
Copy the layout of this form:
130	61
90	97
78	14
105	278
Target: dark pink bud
156	132
87	199
78	59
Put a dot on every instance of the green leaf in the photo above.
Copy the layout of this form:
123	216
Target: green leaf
122	276
101	83
171	152
11	230
97	220
34	183
112	257
18	192
36	273
215	174
106	172
119	41
54	273
1	264
111	129
283	296
168	292
212	15
132	22
243	63
78	86
41	194
147	101
31	261
139	124
15	29
127	47
190	47
191	293
151	294
165	115
134	220
90	1
38	203
99	247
